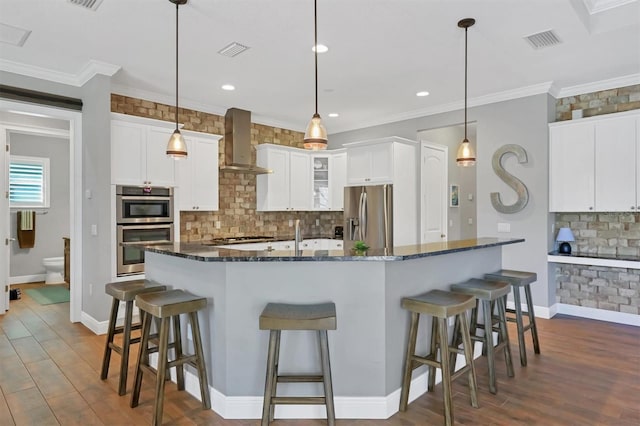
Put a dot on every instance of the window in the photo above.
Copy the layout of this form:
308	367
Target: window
28	182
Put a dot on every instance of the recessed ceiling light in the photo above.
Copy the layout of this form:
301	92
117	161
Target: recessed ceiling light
228	87
422	94
334	114
321	48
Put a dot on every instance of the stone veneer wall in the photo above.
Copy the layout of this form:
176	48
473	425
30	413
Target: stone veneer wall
237	207
598	103
613	289
603	233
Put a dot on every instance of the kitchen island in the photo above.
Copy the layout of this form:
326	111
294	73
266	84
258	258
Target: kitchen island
367	348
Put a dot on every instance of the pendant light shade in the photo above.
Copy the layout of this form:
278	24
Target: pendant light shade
466	157
177	148
315	137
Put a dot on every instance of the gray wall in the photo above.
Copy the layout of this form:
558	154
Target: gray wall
52	226
465	177
96	178
519	121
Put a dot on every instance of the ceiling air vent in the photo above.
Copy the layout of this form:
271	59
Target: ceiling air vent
234	49
87	4
543	39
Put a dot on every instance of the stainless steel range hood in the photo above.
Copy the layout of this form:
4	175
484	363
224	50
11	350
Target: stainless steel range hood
237	143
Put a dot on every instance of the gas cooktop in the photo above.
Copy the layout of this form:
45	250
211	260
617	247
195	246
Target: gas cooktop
246	239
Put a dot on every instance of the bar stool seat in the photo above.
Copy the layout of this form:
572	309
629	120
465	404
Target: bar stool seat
489	293
440	305
282	316
124	291
167	305
520	279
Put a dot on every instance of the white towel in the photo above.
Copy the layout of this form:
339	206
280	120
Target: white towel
26	220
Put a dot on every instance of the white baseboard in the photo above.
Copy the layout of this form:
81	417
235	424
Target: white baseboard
101	327
24	279
598	314
539	311
250	407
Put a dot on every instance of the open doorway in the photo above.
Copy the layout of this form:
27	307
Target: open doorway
26	126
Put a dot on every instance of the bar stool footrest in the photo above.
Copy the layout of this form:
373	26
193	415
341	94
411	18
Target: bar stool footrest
298	400
295	378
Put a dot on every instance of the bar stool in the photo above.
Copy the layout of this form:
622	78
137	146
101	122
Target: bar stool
168	305
125	291
490	293
281	316
440	305
520	279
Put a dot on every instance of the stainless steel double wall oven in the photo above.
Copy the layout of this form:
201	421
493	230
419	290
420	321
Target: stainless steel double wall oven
143	215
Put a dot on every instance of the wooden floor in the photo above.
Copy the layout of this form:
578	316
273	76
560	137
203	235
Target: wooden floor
588	374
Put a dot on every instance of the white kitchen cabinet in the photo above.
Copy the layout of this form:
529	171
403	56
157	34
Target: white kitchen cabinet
299	181
337	179
288	187
321	164
593	163
615	166
138	152
572	168
370	164
391	160
197	177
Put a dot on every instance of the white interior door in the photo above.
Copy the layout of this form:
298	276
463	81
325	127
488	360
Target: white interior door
434	188
4	226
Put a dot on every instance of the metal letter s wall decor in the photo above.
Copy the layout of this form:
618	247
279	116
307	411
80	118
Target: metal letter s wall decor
515	183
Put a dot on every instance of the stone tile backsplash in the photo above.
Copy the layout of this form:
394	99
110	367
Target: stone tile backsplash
598	103
236	215
603	233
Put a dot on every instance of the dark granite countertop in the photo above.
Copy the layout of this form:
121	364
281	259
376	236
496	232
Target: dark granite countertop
598	256
208	253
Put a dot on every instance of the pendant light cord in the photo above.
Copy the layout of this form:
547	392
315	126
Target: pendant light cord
177	8
315	46
466	29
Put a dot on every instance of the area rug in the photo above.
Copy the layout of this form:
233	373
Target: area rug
48	295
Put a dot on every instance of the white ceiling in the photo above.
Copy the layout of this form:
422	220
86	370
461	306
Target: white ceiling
381	52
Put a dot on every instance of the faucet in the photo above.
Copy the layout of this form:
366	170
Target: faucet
298	237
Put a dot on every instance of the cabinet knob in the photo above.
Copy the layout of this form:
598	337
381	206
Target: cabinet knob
590	208
633	207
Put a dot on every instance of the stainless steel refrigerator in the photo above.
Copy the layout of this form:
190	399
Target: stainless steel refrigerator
368	216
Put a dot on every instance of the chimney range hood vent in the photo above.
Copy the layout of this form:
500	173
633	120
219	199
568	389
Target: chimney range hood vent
237	143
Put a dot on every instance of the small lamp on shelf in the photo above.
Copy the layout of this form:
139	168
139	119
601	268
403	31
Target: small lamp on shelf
565	236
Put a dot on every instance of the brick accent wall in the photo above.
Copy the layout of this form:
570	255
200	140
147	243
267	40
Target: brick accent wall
237	207
598	103
603	233
613	289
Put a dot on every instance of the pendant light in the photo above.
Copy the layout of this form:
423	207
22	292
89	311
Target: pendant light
465	157
315	137
177	148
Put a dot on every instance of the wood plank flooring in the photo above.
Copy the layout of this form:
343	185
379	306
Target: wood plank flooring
588	374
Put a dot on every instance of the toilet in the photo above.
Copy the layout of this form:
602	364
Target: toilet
53	267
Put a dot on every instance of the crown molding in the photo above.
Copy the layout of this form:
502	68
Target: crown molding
91	69
506	95
597	6
94	68
596	86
